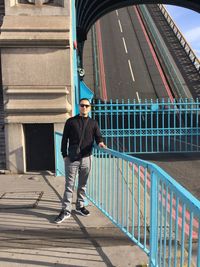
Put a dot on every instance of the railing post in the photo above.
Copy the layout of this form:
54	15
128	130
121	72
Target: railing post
153	220
56	153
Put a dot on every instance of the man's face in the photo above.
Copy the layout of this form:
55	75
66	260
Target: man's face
84	108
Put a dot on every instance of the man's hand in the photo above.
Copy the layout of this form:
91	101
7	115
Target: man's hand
102	145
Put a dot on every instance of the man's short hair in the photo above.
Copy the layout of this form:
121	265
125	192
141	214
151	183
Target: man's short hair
84	99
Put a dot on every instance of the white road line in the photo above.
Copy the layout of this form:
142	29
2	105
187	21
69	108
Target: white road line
130	67
117	13
139	101
120	25
138	97
125	47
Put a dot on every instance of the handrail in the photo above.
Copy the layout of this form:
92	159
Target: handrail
186	195
136	194
181	38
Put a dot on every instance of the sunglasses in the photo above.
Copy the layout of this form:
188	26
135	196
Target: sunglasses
84	105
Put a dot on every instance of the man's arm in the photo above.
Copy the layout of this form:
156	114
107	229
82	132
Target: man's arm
65	138
98	137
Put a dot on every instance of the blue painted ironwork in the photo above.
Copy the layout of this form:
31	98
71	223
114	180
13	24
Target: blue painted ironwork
75	82
80	88
85	91
138	196
150	126
59	166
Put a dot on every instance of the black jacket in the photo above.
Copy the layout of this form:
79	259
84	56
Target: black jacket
72	134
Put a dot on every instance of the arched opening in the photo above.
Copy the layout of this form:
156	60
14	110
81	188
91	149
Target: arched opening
87	12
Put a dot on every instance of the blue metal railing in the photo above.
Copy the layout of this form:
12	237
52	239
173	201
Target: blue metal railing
59	163
151	208
75	81
150	126
148	206
80	88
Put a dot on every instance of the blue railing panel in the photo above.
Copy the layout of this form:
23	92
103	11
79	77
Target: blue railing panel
151	126
60	168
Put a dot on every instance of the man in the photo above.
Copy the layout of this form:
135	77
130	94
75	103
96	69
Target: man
72	133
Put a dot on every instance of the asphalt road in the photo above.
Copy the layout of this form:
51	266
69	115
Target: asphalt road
130	69
183	167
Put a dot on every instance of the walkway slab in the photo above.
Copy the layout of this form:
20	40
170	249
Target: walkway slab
29	237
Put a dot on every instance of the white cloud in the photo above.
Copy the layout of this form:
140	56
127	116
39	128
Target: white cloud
193	35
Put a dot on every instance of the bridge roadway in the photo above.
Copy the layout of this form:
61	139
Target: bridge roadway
185	168
130	67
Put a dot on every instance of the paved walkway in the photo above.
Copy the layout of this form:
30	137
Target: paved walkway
28	236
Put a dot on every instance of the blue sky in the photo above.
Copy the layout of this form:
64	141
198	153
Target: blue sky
188	22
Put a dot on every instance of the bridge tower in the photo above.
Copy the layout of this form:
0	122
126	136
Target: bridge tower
36	79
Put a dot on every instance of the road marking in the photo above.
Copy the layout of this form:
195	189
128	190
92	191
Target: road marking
138	97
125	47
139	101
120	25
117	13
130	67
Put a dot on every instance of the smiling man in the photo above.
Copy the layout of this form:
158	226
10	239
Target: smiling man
79	135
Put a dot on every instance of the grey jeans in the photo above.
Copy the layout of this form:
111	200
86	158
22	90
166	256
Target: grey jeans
82	167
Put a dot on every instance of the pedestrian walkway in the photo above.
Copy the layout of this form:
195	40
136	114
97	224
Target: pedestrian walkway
28	236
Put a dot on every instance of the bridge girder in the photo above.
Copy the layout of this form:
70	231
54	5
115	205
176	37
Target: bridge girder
89	11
